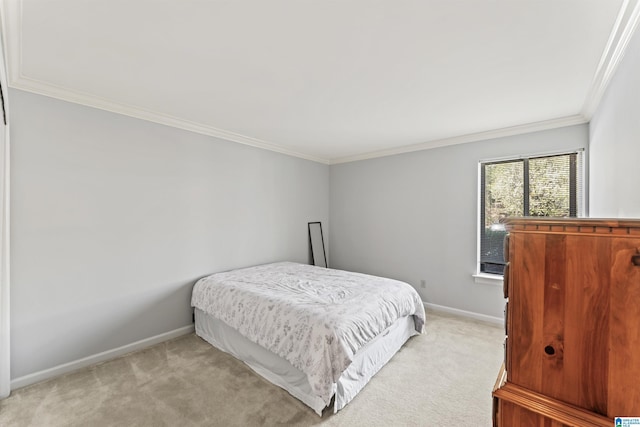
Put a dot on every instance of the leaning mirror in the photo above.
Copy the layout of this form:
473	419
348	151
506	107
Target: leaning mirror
316	245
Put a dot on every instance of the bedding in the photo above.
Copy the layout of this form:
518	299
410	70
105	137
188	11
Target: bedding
275	369
315	318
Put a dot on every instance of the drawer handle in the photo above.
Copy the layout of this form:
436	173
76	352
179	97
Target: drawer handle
550	350
635	259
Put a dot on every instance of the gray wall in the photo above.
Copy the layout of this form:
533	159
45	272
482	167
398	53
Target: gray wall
614	145
113	219
415	216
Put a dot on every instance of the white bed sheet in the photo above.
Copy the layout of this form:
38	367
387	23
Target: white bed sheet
316	318
366	363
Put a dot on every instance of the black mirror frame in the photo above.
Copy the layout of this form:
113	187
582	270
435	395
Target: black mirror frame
311	243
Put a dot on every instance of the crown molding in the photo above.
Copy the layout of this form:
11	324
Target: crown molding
625	25
622	32
472	137
623	29
12	25
66	94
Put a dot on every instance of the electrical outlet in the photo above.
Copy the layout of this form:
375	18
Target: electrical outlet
423	283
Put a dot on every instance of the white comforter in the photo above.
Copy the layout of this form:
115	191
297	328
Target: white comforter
314	317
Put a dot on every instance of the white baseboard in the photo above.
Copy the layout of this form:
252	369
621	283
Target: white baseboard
97	358
463	313
147	342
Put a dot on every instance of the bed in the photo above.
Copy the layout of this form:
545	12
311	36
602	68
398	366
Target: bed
319	333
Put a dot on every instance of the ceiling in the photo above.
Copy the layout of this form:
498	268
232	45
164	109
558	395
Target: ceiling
330	81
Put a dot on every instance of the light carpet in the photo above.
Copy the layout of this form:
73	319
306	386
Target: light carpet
441	378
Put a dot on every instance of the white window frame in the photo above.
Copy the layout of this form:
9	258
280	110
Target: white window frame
497	279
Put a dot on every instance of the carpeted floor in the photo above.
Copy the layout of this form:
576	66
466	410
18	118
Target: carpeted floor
441	378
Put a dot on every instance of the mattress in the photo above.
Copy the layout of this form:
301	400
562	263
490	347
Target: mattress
277	370
321	321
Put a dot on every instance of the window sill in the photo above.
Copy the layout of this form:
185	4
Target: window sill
488	279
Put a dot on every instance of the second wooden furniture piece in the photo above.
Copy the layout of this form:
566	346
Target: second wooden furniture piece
572	351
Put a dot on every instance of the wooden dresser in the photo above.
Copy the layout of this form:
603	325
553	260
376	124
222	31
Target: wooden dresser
572	323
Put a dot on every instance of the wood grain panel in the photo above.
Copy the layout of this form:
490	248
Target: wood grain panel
552	347
587	323
514	415
574	290
539	222
518	406
526	303
624	341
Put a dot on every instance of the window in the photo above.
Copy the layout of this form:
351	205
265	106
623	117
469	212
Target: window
529	186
